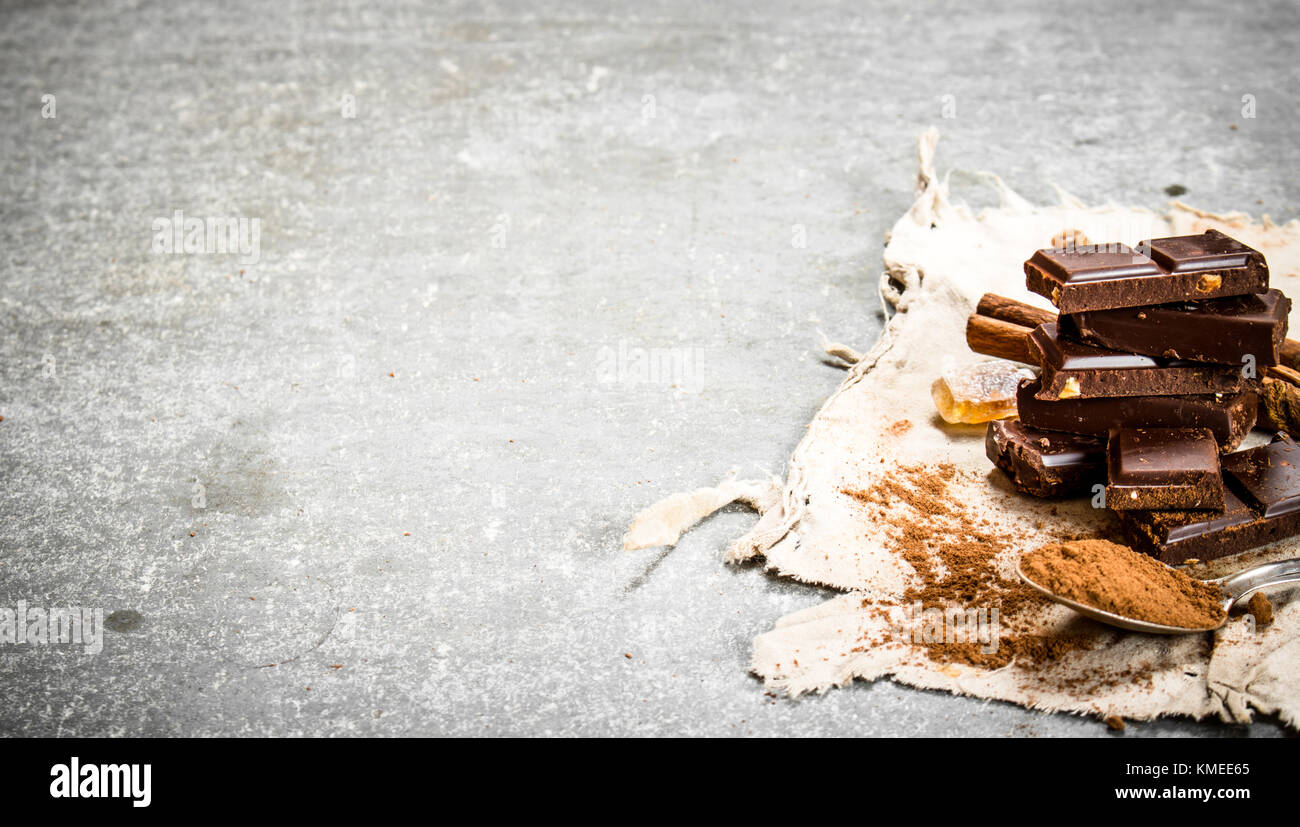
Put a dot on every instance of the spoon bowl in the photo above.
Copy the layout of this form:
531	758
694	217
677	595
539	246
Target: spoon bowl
1236	587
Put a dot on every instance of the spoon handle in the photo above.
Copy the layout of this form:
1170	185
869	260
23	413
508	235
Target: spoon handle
1252	580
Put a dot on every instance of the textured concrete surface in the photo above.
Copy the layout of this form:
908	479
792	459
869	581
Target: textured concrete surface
236	447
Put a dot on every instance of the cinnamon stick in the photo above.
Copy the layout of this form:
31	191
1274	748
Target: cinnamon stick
1284	373
1291	353
1010	310
1002	339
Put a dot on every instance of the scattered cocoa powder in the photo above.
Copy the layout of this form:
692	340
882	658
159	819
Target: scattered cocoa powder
1116	579
1260	608
955	557
899	428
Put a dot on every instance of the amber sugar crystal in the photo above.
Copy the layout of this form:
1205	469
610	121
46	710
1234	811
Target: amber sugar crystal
980	392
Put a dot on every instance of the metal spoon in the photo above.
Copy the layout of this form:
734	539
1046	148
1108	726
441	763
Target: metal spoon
1235	587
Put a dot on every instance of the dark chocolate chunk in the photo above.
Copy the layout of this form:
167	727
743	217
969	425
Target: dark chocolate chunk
1045	463
1229	416
1075	370
1163	468
1267	477
1226	331
1182	268
1174	537
1258	510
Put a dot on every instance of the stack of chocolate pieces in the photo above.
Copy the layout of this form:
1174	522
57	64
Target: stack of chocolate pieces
1149	381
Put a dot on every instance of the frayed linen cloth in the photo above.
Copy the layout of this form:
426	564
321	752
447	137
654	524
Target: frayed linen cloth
940	257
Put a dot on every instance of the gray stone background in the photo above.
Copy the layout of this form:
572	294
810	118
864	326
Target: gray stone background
229	451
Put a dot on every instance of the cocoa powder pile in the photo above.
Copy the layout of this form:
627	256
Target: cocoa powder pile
1116	579
1261	608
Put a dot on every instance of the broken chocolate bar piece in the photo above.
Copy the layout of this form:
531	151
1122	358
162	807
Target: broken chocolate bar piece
1174	537
1257	510
1182	268
1229	416
1229	331
1267	477
1044	463
1163	468
1076	370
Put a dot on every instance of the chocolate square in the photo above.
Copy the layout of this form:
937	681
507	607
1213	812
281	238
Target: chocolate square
1212	250
1094	263
1163	469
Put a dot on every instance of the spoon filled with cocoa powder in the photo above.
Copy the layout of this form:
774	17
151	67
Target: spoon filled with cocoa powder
1116	585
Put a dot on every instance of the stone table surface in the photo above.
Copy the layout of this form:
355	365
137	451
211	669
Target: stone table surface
508	275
